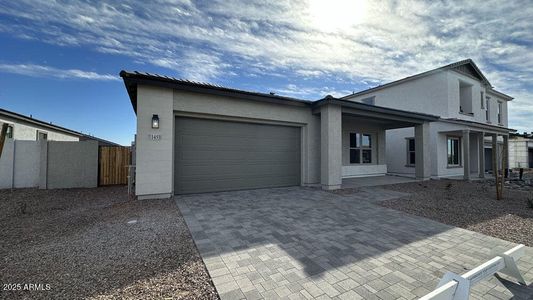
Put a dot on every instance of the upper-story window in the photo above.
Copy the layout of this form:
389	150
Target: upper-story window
42	135
9	133
487	110
369	100
465	98
482	101
500	110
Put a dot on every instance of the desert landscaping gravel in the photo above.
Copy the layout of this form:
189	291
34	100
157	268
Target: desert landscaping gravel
469	205
97	244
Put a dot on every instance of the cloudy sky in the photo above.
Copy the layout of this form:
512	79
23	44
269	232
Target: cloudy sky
59	60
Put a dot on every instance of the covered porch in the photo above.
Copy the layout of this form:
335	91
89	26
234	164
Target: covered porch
475	149
352	139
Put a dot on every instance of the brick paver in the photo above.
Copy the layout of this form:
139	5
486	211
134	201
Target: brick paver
302	243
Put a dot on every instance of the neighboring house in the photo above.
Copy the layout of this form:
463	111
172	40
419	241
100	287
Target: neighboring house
521	150
26	128
471	113
193	137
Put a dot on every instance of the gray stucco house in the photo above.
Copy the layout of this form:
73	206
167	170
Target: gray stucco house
196	137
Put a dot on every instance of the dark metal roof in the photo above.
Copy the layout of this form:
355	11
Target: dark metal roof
430	72
132	79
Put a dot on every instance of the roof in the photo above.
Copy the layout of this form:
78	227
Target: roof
453	66
30	119
49	125
477	124
132	79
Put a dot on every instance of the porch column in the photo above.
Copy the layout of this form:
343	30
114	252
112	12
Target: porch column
422	158
505	150
495	155
466	154
330	147
481	155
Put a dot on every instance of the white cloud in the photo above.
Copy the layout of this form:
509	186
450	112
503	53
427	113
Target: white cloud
46	71
384	40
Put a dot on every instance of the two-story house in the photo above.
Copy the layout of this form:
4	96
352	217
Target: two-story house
471	114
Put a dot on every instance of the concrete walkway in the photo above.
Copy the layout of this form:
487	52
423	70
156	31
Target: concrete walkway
302	243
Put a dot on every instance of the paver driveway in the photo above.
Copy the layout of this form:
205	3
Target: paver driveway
306	243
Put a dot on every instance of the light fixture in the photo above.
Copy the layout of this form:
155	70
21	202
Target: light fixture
155	121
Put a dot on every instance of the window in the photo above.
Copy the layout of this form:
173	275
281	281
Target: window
465	98
411	158
482	101
500	109
42	135
360	148
487	111
454	151
9	133
369	100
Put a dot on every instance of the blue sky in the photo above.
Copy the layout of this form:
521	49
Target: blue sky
59	61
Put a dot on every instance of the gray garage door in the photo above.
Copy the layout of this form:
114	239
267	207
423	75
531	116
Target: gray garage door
213	155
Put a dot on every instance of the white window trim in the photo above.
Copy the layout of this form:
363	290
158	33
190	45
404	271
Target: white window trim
487	107
500	113
361	148
40	131
460	147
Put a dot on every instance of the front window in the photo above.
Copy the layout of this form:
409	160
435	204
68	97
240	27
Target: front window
482	101
360	148
500	109
454	151
465	98
411	158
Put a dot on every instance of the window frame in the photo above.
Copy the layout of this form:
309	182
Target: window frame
409	151
10	133
487	109
44	133
459	153
482	100
359	147
500	113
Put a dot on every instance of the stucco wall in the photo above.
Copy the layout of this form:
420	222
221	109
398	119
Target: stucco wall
397	151
519	153
72	164
27	163
27	131
425	95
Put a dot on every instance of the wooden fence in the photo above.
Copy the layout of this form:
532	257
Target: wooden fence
113	164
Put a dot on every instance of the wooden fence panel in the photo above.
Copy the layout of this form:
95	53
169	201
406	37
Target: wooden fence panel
112	165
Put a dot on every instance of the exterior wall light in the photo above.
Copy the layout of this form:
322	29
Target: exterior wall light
155	122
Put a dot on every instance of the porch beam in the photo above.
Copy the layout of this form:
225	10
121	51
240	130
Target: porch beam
422	155
330	147
466	154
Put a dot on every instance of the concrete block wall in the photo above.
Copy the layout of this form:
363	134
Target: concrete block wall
49	164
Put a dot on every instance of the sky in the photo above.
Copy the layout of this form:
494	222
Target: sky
60	60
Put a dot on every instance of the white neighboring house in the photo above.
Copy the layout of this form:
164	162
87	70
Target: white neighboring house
29	129
521	150
472	115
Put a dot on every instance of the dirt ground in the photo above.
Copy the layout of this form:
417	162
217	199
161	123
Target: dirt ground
96	244
469	205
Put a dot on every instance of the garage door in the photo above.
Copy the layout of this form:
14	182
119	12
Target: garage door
214	155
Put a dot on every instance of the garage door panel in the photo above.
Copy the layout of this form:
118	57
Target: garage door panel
214	155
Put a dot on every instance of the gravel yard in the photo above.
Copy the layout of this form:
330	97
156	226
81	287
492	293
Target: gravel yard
470	205
95	244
